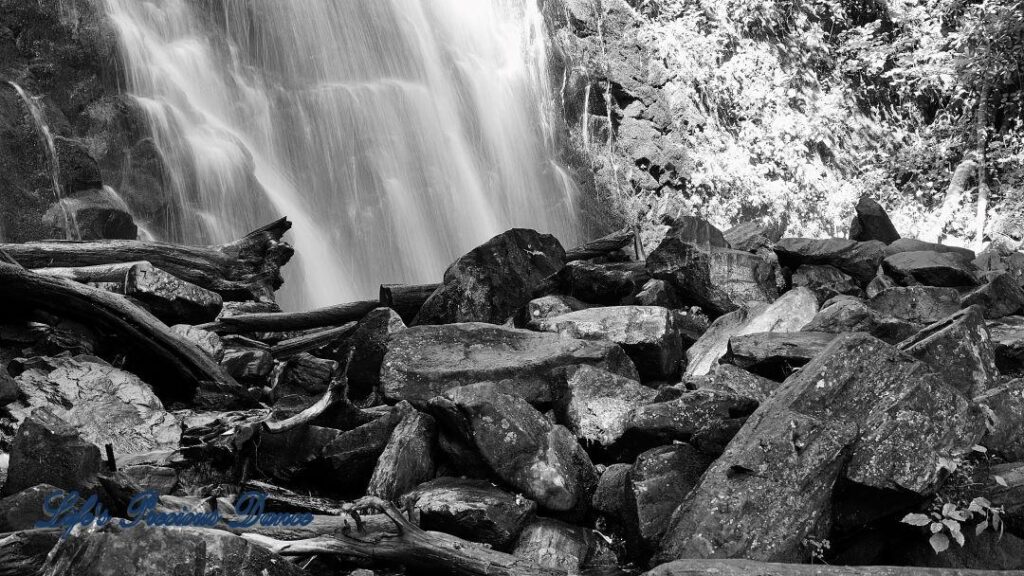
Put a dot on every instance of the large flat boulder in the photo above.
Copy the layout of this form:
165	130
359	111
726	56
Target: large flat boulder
425	361
607	284
826	281
858	259
846	314
47	450
707	419
776	354
523	448
494	280
960	349
651	335
917	304
599	404
930	268
790	313
915	245
871	222
719	280
408	460
1000	296
1007	335
862	409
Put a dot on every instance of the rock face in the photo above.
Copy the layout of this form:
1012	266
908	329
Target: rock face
370	345
707	419
520	445
408	459
930	269
494	280
719	280
425	361
918	304
789	313
735	380
555	545
651	335
858	259
871	222
1001	296
854	315
960	349
46	450
599	404
472	509
861	405
1008	343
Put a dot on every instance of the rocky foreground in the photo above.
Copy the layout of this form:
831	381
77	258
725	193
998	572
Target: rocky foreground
734	404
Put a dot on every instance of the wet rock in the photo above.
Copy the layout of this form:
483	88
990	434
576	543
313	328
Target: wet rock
958	348
521	446
733	380
370	344
246	362
95	215
707	419
878	284
423	362
871	222
351	458
858	259
658	482
47	450
1004	408
607	284
1001	296
696	232
209	342
610	497
651	335
930	269
472	509
917	304
719	280
105	404
599	404
789	313
291	456
21	510
145	551
826	281
304	376
853	315
494	280
776	354
659	293
914	245
408	459
860	401
554	305
1007	335
751	236
555	545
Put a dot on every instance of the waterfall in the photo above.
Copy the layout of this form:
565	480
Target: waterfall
43	128
395	134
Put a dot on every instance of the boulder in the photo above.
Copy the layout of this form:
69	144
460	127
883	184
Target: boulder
245	361
494	280
147	551
917	304
369	346
170	299
697	232
1000	296
650	335
960	349
719	280
1007	335
304	376
930	269
425	361
707	419
825	281
657	483
408	459
750	236
776	354
862	409
104	404
914	245
472	509
97	215
858	259
733	380
522	447
209	342
879	283
871	222
554	305
659	293
609	498
599	404
1004	407
789	313
21	510
606	284
162	479
846	314
556	545
351	458
47	450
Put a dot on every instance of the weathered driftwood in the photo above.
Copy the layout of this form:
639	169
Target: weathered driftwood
283	500
406	299
170	357
308	342
116	272
602	246
752	568
244	269
335	393
287	321
405	544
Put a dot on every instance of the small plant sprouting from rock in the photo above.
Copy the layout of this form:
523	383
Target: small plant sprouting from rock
817	548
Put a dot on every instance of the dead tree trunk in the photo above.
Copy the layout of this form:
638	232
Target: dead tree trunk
242	270
982	152
751	568
283	322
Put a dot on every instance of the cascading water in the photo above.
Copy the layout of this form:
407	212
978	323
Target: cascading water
395	134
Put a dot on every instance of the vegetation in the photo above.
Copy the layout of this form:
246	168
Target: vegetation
791	109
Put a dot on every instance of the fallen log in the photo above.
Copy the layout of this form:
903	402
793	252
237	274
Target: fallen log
288	321
602	246
406	299
246	269
752	568
407	545
170	358
308	342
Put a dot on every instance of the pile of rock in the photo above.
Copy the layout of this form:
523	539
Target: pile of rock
539	412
